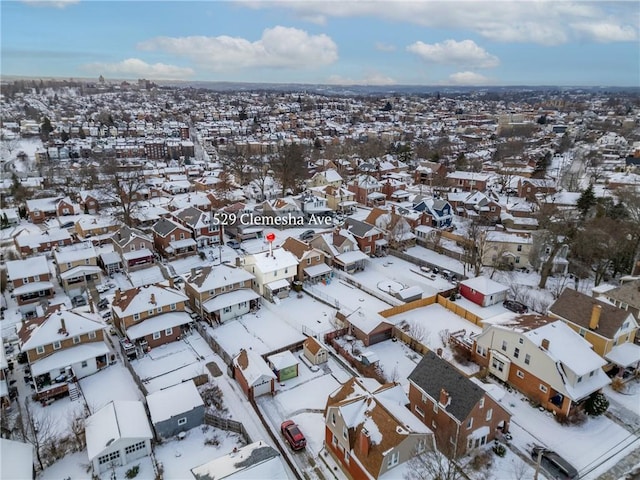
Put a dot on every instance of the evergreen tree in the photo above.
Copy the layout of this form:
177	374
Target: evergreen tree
46	128
596	404
586	201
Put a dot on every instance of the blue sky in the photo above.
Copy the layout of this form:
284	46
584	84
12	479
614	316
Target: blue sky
386	42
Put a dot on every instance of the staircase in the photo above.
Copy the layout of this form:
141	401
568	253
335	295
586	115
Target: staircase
74	391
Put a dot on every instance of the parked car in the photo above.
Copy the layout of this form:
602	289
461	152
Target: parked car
293	435
233	244
103	303
107	315
553	464
307	235
78	301
515	306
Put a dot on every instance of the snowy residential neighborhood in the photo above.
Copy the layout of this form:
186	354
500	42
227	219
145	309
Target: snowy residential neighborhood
296	284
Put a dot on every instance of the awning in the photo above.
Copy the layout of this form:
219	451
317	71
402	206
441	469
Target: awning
278	284
317	270
348	258
348	203
135	254
375	195
31	287
624	355
184	243
382	242
229	299
501	357
157	324
69	356
80	271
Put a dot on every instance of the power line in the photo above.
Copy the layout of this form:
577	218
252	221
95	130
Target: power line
610	456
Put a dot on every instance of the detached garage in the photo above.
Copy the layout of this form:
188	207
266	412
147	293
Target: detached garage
176	409
117	434
253	374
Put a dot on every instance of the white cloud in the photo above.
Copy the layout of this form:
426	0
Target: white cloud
279	47
466	53
385	47
546	22
606	32
468	78
373	78
51	3
134	67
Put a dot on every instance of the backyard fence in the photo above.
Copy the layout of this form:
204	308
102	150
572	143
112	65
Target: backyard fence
460	311
136	378
228	425
213	344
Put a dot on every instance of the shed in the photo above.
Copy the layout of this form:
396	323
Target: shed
315	351
176	409
117	434
253	374
284	365
483	291
409	294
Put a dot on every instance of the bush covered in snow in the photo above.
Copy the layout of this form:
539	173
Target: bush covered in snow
597	404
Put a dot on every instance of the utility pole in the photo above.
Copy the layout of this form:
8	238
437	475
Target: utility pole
538	462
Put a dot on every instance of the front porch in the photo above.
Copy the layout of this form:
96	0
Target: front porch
181	248
277	289
32	292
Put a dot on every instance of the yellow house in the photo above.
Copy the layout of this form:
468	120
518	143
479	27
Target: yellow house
601	324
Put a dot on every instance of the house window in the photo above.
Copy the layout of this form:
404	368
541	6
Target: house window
393	459
481	404
521	341
84	364
579	379
76	340
111	457
226	309
36	278
86	261
424	398
168	331
156	335
68	264
334	440
223	288
133	247
433	425
275	273
173	306
56	345
346	456
527	359
543	388
92	335
333	418
135	447
182	421
136	316
504	345
422	445
419	411
159	310
345	432
582	332
516	352
40	350
519	248
470	423
308	261
519	374
182	236
435	407
497	365
141	246
481	351
150	312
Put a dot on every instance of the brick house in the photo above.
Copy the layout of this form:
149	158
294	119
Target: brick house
311	261
341	250
134	247
220	293
28	243
397	229
172	240
339	199
150	316
543	358
65	207
62	346
41	209
467	181
97	229
370	433
530	187
30	279
203	230
367	190
462	415
371	239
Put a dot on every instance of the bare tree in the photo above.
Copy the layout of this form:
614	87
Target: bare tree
124	187
475	246
38	429
289	167
238	164
260	171
432	465
76	427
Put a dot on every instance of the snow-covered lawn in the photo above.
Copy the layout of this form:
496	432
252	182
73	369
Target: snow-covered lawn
484	313
262	331
508	467
174	362
295	399
178	457
146	276
74	467
438	259
304	313
349	296
111	383
406	273
592	448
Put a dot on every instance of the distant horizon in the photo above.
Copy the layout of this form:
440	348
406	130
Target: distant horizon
370	43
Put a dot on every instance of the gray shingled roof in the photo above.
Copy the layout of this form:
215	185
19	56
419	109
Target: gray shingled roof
433	374
164	227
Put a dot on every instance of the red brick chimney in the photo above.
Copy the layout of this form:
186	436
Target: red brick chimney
152	300
364	442
445	399
594	321
118	296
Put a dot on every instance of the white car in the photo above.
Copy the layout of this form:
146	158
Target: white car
102	288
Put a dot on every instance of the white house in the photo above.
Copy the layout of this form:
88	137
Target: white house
117	434
274	272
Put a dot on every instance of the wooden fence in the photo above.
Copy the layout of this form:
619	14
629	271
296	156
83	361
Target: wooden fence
409	341
136	378
460	311
371	371
228	425
215	346
423	302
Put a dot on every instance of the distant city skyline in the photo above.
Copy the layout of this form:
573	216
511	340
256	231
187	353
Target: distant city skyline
495	43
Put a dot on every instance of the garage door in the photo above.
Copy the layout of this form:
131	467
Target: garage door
380	337
262	387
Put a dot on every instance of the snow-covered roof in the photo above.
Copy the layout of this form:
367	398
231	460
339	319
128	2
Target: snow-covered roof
228	299
32	287
69	356
142	299
20	465
351	257
80	270
253	367
282	360
157	324
484	285
172	401
212	277
625	354
29	267
52	235
278	260
256	460
116	420
57	326
142	253
74	253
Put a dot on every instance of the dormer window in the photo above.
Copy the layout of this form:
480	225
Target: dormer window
40	350
76	340
57	345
